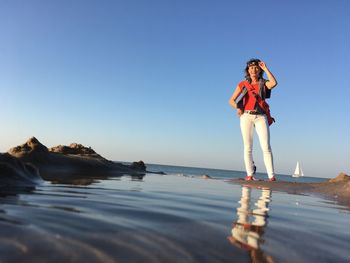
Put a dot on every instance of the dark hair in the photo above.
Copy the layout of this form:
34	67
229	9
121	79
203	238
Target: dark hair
253	61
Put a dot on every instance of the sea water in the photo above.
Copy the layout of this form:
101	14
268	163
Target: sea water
177	217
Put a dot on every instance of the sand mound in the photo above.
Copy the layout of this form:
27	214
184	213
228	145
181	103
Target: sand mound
342	177
32	146
75	149
140	165
14	172
73	161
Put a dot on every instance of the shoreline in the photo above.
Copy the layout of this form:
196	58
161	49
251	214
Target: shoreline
26	164
336	189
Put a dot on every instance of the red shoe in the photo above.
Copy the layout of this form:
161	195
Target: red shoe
250	178
272	179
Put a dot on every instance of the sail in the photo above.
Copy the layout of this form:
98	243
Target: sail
298	171
301	171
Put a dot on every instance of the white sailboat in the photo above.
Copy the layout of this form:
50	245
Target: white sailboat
298	171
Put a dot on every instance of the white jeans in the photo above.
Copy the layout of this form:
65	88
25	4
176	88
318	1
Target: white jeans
248	121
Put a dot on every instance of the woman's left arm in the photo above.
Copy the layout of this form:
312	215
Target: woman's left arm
271	80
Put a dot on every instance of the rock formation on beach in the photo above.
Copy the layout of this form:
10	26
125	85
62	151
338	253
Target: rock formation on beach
74	148
14	172
33	149
139	166
73	161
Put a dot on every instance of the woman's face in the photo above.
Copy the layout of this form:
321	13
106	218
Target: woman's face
254	70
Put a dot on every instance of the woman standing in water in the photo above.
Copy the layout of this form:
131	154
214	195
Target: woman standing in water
249	100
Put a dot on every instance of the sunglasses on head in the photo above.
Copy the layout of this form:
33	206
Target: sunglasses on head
253	63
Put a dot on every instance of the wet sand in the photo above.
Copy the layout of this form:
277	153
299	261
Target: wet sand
168	219
337	188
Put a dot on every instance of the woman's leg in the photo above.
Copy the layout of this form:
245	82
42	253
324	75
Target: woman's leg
263	131
247	123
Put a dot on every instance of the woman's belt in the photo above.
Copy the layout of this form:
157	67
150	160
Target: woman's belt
253	112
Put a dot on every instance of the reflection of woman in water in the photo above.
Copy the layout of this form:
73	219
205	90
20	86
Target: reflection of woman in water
249	227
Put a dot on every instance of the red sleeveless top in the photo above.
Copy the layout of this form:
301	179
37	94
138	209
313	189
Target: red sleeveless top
249	101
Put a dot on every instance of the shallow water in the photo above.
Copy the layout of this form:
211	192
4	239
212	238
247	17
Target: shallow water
168	218
225	174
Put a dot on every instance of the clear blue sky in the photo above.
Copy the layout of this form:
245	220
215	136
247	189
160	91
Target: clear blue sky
151	79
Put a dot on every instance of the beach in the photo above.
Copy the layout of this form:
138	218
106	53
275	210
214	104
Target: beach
337	189
70	204
176	217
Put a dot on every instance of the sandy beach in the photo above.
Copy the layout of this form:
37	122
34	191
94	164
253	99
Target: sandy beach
68	203
169	218
337	188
